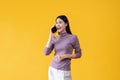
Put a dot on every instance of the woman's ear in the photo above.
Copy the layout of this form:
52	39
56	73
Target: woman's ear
66	24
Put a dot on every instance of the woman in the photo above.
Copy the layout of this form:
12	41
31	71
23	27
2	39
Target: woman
63	45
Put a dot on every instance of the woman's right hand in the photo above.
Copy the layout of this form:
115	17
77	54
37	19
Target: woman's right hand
52	35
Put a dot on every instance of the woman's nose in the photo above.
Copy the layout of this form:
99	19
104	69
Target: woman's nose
57	25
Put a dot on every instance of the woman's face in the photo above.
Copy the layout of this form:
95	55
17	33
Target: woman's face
61	25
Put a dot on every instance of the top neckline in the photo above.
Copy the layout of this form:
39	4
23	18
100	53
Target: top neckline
63	34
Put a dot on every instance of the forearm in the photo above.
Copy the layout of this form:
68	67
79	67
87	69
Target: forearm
49	41
71	56
64	56
49	47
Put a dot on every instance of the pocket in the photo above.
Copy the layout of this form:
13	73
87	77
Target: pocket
67	75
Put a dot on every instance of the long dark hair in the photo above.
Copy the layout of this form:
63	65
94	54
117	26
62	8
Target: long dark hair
65	19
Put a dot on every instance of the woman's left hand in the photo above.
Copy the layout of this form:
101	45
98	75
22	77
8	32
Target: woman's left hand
63	56
59	57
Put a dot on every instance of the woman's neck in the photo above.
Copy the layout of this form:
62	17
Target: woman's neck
63	32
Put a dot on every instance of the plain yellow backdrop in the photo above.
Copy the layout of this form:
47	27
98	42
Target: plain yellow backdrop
24	31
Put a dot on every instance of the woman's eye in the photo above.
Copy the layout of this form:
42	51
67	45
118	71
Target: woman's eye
60	22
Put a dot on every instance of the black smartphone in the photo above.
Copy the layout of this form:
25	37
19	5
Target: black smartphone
54	29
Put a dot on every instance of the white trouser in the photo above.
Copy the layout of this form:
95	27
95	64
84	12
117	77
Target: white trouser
55	74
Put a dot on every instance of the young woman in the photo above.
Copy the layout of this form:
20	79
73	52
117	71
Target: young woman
63	44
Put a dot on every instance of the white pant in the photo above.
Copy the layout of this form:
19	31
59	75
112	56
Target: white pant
55	74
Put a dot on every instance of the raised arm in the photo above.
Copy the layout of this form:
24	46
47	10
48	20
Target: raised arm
50	44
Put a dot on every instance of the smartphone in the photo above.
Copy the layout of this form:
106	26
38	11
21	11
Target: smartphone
54	29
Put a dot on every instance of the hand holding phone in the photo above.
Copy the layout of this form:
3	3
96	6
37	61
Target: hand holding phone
54	29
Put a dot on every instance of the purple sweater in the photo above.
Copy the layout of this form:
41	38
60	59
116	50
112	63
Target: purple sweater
64	44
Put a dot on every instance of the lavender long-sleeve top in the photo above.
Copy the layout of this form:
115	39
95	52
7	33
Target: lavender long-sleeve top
64	44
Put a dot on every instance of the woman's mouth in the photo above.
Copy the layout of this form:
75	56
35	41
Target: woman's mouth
59	28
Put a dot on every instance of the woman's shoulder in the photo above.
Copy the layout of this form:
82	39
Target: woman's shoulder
73	36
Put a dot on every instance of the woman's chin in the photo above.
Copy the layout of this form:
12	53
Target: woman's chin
59	31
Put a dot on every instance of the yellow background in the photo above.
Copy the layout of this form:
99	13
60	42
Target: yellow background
24	31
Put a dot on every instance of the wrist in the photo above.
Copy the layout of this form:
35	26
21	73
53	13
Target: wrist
69	56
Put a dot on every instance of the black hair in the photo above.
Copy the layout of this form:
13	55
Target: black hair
65	19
